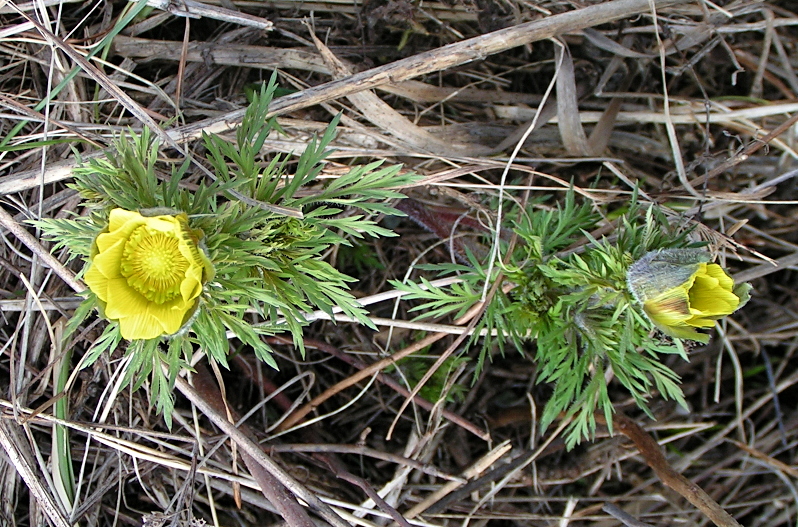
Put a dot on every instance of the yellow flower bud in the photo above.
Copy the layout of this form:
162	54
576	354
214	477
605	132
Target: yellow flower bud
680	291
148	273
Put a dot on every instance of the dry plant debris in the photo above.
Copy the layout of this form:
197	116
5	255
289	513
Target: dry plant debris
690	104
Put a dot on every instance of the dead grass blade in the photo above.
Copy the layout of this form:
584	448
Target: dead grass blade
389	120
194	9
571	131
15	448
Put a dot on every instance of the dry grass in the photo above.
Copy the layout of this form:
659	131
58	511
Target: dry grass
697	106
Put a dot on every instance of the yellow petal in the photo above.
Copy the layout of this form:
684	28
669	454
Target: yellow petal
717	303
711	297
670	308
119	217
724	280
191	288
123	300
164	224
141	326
701	321
170	315
97	282
121	224
107	260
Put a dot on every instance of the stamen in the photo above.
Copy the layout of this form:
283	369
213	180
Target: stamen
153	264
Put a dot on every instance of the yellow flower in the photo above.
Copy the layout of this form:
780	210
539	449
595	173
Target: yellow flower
148	273
680	291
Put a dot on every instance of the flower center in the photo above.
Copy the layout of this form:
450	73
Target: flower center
153	264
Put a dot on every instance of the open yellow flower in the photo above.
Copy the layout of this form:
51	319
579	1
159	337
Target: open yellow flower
148	273
680	291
